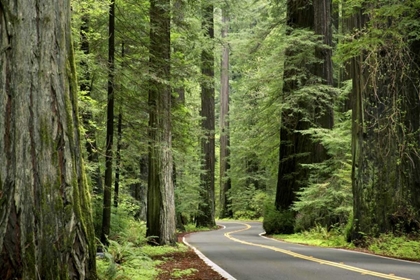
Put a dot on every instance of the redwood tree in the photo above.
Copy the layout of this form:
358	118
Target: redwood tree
106	215
46	227
225	183
385	127
311	109
160	192
206	218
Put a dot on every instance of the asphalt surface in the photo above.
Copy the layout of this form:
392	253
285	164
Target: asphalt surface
245	255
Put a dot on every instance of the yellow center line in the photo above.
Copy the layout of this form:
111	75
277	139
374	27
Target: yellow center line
310	258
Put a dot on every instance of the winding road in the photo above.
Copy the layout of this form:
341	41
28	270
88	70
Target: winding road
238	251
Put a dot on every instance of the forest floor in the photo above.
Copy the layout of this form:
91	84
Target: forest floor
185	265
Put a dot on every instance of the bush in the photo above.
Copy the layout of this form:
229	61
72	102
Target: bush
245	215
278	221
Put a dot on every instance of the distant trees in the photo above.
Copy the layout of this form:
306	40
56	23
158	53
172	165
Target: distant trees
46	229
314	181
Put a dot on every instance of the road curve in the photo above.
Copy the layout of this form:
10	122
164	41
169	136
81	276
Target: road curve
239	250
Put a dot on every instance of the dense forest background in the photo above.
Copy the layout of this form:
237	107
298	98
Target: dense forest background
316	106
304	113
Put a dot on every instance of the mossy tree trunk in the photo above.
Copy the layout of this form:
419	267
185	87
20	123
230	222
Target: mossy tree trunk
385	135
46	229
160	193
206	218
359	75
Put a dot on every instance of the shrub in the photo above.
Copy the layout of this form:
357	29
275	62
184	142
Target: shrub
278	221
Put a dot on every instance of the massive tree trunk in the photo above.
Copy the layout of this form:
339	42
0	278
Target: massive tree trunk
359	75
46	227
206	218
225	184
294	146
324	116
106	213
160	194
385	135
297	148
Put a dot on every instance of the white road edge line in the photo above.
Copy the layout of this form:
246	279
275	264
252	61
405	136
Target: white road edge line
214	266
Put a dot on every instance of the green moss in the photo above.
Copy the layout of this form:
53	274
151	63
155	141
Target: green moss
45	134
30	261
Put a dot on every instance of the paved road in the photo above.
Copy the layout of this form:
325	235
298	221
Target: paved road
245	255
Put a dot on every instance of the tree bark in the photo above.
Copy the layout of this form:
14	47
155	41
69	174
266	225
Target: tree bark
160	195
385	135
206	218
294	146
46	228
297	148
106	213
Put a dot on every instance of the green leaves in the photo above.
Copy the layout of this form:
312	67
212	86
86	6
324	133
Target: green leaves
328	199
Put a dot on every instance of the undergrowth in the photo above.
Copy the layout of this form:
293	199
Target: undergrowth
128	257
317	236
396	246
391	245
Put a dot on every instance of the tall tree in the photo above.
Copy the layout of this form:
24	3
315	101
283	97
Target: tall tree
45	217
308	86
294	146
106	215
160	194
206	216
225	183
385	131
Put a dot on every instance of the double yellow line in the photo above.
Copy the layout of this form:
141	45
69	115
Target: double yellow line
310	258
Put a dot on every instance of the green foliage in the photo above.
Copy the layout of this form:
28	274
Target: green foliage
154	251
125	261
327	199
388	244
348	228
178	273
278	221
125	258
256	39
123	224
192	227
318	236
128	256
249	204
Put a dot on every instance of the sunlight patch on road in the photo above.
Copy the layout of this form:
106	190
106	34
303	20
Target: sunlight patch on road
310	258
